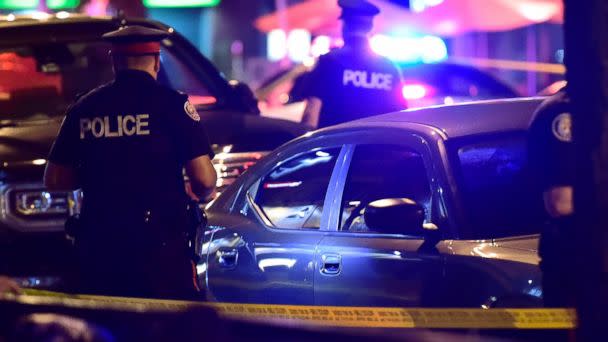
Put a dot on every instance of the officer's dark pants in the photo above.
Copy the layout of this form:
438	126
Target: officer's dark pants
556	250
134	264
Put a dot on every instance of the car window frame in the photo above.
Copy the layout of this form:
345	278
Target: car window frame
407	138
428	206
270	166
467	231
430	144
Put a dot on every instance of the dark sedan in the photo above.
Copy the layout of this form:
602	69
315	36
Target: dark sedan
327	218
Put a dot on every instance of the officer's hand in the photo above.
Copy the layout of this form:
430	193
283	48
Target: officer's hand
191	193
559	201
202	176
7	285
193	196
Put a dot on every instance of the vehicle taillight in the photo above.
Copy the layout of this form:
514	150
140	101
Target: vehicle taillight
413	91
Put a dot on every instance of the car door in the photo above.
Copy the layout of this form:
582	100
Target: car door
361	267
265	252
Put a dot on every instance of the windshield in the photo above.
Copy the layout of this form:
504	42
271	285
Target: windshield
496	187
40	81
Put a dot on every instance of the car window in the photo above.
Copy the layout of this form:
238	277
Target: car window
498	192
379	172
38	81
291	196
176	75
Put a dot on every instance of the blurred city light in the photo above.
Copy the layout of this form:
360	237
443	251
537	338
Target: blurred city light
420	5
320	46
62	15
414	91
32	4
39	15
433	49
57	4
538	12
427	49
298	45
277	45
18	4
181	3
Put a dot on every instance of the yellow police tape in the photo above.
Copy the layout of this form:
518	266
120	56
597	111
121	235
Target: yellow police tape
367	317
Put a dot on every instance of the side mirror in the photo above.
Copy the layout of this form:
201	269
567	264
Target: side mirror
244	94
395	216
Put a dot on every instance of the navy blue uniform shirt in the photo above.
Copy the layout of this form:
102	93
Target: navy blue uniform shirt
352	83
128	141
551	151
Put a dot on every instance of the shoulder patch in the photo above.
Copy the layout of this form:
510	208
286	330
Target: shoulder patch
191	111
562	127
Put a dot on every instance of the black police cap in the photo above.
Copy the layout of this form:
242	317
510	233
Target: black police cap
357	8
135	34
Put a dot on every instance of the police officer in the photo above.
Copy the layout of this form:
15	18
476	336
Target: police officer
125	144
551	157
352	82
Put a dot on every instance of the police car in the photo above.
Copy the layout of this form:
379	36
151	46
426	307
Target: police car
45	62
426	207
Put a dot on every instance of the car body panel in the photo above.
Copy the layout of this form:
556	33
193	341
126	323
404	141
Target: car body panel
469	118
253	264
398	270
376	271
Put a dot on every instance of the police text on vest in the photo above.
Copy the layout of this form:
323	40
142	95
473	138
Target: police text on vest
361	79
114	127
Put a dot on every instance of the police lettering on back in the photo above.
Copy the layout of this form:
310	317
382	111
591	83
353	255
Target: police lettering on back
361	79
114	127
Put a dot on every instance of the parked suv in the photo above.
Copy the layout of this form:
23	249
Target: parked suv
45	61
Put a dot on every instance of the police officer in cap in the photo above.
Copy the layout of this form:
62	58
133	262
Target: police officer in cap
125	144
552	161
352	82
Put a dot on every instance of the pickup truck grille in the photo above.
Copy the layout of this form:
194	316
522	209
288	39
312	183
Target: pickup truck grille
31	208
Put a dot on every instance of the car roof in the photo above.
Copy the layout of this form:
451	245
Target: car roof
41	18
458	120
41	26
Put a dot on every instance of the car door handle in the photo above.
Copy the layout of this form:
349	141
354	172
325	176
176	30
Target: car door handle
227	258
331	264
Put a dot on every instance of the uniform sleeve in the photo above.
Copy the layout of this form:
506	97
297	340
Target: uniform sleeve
396	100
189	131
314	82
551	154
65	148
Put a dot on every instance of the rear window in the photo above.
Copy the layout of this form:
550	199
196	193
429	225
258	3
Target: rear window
41	80
497	188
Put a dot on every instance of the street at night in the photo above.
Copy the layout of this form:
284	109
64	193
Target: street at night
187	170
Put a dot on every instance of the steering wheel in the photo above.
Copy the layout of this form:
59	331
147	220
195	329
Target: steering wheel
354	214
